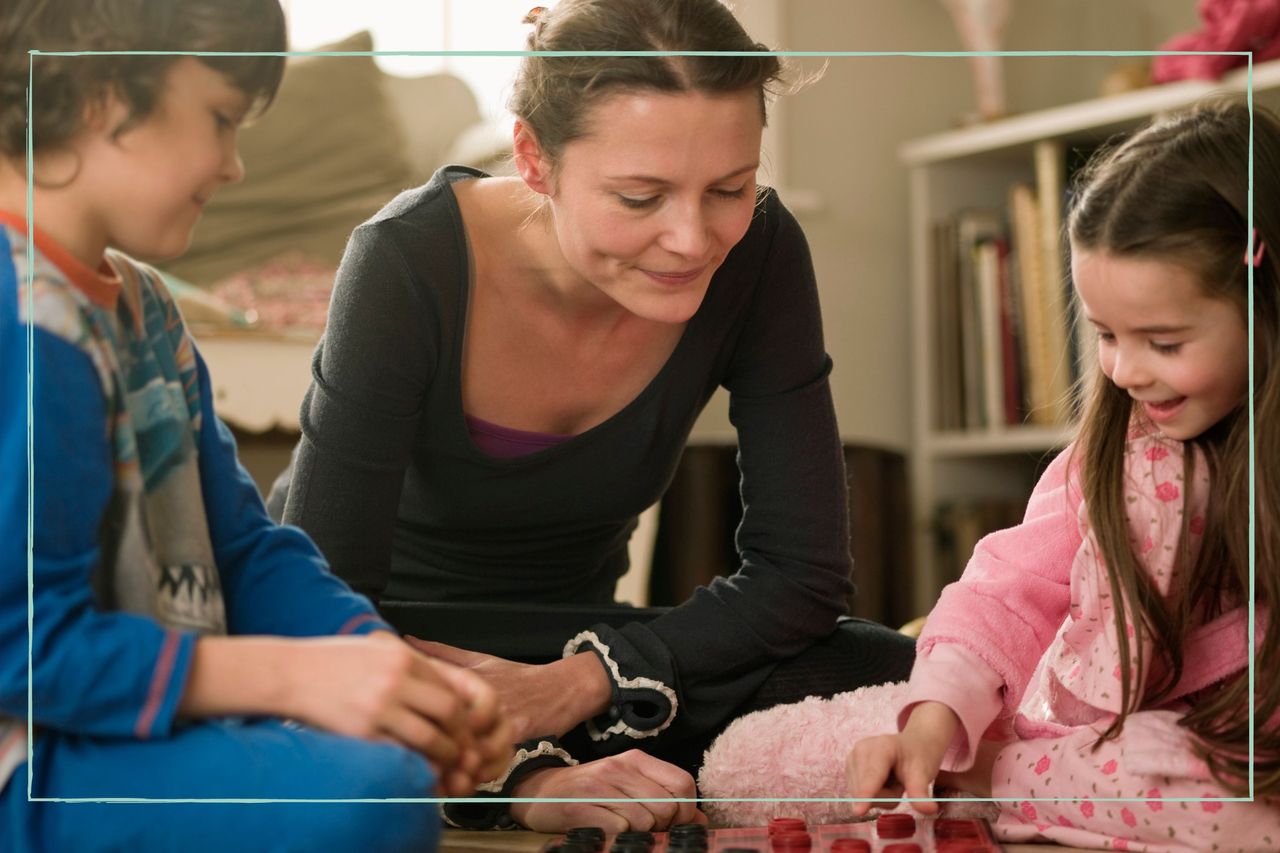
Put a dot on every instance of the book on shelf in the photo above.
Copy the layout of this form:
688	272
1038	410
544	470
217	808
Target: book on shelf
958	527
966	321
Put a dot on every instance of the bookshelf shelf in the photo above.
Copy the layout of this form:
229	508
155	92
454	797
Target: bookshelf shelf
1027	439
969	447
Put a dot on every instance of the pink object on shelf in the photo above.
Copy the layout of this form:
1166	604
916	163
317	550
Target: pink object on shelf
1232	25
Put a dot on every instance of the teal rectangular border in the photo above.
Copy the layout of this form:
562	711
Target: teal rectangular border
30	213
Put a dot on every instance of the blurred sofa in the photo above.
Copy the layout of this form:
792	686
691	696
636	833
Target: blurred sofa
340	140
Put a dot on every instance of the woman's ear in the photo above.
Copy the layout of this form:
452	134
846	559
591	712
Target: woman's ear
531	162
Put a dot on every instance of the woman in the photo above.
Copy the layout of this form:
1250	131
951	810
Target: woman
511	370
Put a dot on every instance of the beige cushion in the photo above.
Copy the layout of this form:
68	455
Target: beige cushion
324	157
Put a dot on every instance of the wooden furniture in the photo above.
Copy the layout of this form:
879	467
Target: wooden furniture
974	169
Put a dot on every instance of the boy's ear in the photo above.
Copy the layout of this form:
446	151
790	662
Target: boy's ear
531	162
104	112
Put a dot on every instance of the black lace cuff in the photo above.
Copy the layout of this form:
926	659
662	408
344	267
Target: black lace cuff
531	755
640	707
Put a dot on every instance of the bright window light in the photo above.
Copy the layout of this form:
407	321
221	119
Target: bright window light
425	25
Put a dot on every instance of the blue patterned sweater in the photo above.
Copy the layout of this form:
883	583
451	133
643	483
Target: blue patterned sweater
146	532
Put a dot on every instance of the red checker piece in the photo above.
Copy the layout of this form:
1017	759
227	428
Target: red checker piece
952	828
851	845
895	825
790	839
786	824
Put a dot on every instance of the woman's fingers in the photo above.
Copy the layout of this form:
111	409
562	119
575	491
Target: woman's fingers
670	782
447	653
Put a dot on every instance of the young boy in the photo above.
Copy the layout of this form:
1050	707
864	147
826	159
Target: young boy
182	645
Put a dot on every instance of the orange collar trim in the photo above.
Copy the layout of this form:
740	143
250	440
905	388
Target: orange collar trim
101	286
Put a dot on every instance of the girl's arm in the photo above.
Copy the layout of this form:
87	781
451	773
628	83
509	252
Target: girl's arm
980	645
1016	589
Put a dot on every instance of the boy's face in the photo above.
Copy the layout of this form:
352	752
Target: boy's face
144	189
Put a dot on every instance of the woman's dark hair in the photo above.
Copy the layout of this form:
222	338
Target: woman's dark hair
1177	192
62	86
553	95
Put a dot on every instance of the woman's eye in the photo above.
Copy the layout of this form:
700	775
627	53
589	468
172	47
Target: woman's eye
1106	338
636	203
738	193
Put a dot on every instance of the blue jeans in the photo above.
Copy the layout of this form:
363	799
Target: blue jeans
225	759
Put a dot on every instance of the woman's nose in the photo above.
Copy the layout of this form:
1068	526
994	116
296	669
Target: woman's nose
688	232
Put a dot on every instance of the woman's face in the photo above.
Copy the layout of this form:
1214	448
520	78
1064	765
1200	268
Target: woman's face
647	204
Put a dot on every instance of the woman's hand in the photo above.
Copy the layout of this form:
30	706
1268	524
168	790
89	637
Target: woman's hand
549	699
905	763
634	775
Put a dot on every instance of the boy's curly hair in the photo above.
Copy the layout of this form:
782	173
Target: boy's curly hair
63	86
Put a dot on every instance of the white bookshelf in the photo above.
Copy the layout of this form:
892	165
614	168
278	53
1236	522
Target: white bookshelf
973	168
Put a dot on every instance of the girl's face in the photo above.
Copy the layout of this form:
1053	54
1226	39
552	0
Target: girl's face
647	205
144	189
1181	355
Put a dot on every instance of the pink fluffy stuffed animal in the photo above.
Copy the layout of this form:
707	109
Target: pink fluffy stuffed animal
799	750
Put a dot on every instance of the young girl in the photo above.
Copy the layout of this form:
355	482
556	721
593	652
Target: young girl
1110	628
150	545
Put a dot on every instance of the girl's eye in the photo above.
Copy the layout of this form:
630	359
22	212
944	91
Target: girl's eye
637	203
1165	349
223	121
1106	337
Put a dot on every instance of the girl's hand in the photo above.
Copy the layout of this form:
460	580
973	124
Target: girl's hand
378	688
538	700
634	775
905	763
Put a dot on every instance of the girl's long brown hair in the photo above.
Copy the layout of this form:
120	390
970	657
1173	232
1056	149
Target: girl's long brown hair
1177	191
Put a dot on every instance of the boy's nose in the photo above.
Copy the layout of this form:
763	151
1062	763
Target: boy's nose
233	168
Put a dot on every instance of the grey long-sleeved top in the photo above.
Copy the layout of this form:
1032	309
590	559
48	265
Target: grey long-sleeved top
404	506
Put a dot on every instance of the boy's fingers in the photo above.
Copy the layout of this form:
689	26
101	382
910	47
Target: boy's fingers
420	735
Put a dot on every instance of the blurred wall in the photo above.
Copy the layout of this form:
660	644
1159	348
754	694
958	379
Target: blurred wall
839	141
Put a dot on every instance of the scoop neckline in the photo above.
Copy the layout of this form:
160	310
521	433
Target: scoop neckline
457	416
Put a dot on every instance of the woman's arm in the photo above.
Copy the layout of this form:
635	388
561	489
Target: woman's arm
360	415
684	673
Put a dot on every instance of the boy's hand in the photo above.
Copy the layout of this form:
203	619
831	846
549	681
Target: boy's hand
905	763
376	687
